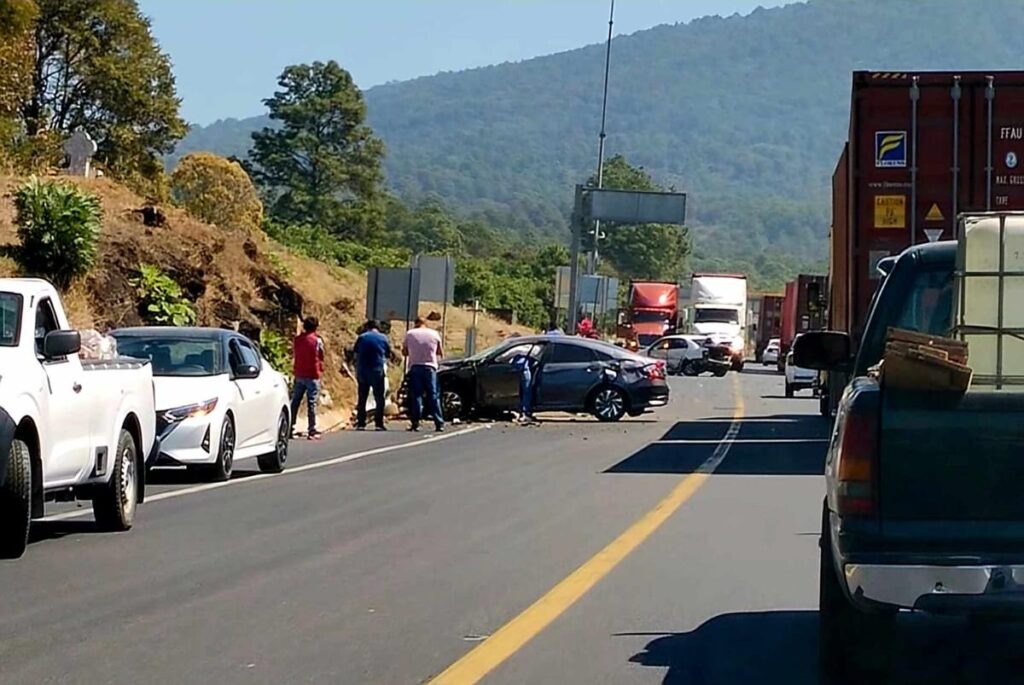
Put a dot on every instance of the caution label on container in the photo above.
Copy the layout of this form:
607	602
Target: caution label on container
934	214
890	211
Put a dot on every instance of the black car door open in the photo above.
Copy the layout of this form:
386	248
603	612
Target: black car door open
498	381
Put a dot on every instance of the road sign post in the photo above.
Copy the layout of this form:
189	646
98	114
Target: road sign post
616	206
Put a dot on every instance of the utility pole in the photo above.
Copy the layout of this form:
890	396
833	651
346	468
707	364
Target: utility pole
592	258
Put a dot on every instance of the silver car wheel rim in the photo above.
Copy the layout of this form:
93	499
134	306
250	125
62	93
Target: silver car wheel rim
127	482
283	434
451	404
609	404
227	447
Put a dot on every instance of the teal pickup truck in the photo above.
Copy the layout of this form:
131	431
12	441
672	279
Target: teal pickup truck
924	506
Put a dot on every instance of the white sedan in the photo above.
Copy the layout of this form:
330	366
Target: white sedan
771	352
798	378
677	351
217	400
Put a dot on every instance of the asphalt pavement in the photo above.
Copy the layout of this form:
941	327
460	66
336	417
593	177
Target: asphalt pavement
677	547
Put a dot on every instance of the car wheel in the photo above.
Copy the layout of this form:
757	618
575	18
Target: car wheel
222	468
273	462
452	405
114	504
16	502
721	371
853	646
690	369
609	404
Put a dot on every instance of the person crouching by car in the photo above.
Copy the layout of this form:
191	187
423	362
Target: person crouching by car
422	348
372	349
307	368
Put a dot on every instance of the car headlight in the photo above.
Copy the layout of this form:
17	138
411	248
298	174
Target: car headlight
189	411
736	345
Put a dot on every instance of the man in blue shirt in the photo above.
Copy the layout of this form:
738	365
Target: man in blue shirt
372	349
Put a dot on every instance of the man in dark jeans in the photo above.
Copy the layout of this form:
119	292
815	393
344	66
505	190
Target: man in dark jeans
308	356
372	349
422	349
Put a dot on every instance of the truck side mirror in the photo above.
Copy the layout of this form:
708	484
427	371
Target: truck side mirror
59	344
823	351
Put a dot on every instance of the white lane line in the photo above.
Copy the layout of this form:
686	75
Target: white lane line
344	459
746	441
725	444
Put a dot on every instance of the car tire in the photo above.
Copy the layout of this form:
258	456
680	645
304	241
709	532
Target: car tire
453	405
222	468
608	404
115	502
16	502
853	646
273	462
720	372
738	365
689	368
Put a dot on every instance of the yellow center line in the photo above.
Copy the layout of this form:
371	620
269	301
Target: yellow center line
511	637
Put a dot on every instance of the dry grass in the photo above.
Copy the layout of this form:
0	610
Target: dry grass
236	279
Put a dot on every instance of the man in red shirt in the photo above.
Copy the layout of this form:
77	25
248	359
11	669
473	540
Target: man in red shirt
308	367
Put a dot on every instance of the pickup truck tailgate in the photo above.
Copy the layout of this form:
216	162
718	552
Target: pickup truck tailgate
951	457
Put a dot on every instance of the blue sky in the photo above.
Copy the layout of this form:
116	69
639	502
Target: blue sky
227	53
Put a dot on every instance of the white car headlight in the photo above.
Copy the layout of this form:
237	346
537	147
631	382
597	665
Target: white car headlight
189	411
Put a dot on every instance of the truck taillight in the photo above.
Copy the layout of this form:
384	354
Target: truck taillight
856	464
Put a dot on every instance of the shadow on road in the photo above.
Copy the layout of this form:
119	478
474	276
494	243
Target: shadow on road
780	648
783	445
761	370
55	530
771	648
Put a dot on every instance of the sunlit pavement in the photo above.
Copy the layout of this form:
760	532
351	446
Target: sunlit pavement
387	558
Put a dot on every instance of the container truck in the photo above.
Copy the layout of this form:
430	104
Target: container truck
922	148
769	323
803	309
720	311
653	311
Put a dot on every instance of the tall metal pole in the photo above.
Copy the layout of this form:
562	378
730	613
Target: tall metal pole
574	260
592	259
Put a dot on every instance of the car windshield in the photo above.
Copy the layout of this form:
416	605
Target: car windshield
716	316
649	317
174	356
10	315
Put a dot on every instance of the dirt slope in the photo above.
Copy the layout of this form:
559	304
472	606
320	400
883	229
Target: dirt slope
236	280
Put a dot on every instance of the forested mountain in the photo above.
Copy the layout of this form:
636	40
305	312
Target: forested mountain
747	114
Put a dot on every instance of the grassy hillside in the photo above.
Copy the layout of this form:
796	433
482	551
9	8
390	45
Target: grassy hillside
234	279
747	114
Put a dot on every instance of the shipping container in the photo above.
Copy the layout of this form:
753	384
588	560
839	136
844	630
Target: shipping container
803	308
769	322
922	148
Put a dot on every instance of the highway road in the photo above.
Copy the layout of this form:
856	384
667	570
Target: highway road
678	547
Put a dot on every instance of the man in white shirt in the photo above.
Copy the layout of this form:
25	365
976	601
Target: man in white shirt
422	347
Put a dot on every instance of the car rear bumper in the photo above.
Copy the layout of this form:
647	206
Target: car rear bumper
648	396
982	589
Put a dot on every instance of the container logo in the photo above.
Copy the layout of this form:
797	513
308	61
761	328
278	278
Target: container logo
1011	160
890	149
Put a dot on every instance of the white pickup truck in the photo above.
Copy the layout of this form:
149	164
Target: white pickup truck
69	428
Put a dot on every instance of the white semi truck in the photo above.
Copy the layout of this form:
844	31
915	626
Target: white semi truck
719	304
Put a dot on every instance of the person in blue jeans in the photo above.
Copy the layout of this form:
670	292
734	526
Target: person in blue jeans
423	352
372	349
526	364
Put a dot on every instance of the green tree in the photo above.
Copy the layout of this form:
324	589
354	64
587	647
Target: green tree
648	251
98	67
217	191
59	226
17	48
322	164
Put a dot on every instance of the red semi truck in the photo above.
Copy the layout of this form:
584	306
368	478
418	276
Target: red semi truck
922	148
653	311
